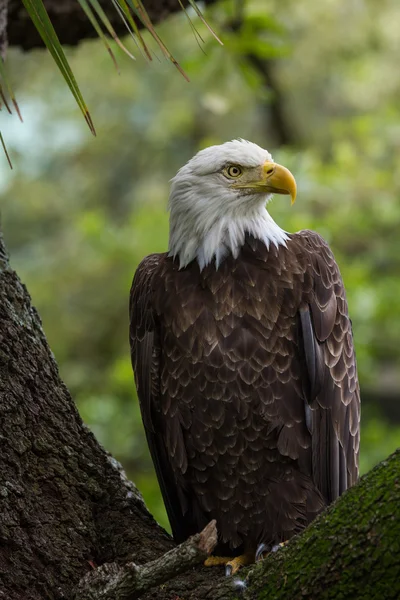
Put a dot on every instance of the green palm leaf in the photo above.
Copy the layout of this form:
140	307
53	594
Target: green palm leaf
106	22
41	20
127	9
122	6
141	12
6	80
5	150
90	15
200	15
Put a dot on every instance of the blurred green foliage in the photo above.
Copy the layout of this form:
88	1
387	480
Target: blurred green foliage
79	214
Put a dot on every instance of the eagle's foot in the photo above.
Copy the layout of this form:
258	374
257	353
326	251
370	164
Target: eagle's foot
263	549
234	564
216	561
277	547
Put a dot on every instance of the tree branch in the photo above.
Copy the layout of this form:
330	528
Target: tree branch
115	582
274	110
275	120
70	22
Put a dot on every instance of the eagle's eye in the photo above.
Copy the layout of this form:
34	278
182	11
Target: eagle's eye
233	171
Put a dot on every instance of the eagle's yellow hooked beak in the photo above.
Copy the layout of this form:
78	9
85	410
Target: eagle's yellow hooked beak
278	180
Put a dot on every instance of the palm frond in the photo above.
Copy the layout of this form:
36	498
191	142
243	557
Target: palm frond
201	17
130	11
106	22
5	150
90	15
41	20
133	29
6	80
145	19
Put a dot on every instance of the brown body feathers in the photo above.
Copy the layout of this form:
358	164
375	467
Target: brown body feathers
247	382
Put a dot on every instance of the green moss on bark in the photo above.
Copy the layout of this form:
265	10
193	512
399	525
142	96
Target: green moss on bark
352	551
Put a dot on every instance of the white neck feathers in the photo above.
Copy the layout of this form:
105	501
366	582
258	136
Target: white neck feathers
207	235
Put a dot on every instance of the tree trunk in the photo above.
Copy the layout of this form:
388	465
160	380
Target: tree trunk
66	505
70	22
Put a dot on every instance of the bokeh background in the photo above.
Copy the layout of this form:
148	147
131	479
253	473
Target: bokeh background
317	83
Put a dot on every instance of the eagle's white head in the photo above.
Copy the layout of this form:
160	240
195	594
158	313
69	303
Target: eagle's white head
219	196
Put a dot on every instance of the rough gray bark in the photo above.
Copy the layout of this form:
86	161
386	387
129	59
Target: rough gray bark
71	23
65	504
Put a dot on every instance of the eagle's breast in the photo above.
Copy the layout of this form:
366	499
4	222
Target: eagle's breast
232	391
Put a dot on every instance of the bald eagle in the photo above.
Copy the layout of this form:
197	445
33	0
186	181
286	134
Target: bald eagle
243	357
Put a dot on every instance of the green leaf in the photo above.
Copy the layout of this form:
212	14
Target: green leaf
5	150
192	25
106	22
90	15
41	20
127	9
123	8
4	76
3	97
200	15
144	17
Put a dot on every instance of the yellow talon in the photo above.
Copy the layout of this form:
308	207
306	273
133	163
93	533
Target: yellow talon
232	565
216	561
264	549
277	546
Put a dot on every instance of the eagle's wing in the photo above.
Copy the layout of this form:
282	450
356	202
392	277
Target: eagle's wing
145	354
333	410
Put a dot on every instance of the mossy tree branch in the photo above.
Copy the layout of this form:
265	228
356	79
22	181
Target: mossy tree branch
352	551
